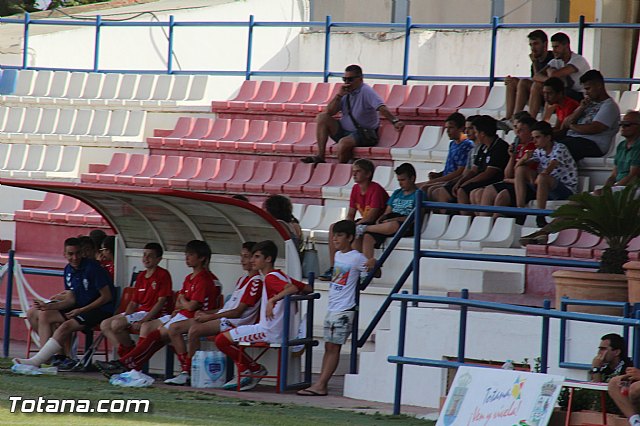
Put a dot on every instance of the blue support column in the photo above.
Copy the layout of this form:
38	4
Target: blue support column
581	34
170	50
247	74
544	349
417	229
494	46
25	41
7	311
399	367
462	333
96	45
353	365
407	48
327	48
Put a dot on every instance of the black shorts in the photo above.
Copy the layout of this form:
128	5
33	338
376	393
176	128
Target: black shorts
509	187
342	133
380	238
89	319
468	187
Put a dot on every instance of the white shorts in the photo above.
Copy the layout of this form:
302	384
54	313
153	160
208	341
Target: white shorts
135	317
167	320
249	333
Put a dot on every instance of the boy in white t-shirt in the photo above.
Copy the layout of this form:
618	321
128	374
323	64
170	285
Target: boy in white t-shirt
342	303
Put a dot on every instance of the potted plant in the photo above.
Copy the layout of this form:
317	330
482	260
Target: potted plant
613	216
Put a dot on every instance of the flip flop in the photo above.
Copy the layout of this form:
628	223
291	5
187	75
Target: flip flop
308	392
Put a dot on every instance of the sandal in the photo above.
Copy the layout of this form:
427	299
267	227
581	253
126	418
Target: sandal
313	160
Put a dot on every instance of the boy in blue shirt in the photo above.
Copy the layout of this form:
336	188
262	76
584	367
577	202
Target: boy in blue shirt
399	206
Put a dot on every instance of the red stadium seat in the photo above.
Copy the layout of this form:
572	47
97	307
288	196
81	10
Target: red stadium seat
437	95
340	176
134	166
84	214
565	238
299	98
265	93
152	167
457	96
119	162
68	205
321	96
589	250
409	137
321	175
219	130
227	170
275	132
397	97
245	171
281	174
257	130
210	168
416	98
239	128
382	89
301	176
247	92
263	173
585	241
170	168
294	134
191	168
200	128
307	145
65	205
183	127
283	93
51	201
476	98
388	138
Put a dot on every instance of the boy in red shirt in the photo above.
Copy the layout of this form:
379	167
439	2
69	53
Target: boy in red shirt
152	291
277	285
242	308
200	290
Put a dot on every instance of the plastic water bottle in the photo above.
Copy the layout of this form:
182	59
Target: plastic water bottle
51	371
508	365
29	370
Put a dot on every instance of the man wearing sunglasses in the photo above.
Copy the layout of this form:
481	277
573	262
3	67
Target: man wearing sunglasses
626	165
359	123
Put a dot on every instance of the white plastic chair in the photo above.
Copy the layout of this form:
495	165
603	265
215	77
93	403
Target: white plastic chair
135	124
74	90
24	82
41	83
441	150
298	210
92	87
629	101
4	154
458	227
496	102
145	87
65	122
428	140
479	230
128	87
31	121
47	121
117	123
502	235
312	217
162	88
384	176
59	84
14	120
198	88
16	157
69	167
51	160
331	216
180	87
110	86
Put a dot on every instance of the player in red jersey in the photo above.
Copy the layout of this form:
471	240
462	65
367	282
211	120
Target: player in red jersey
153	289
277	285
200	290
242	308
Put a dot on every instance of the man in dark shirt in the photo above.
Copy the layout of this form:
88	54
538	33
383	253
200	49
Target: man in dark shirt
519	90
88	299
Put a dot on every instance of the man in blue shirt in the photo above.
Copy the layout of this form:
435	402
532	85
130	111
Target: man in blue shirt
87	300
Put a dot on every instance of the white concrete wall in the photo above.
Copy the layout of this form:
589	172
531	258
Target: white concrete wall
433	333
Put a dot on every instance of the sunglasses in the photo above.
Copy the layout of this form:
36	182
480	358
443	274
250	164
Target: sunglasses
349	79
627	124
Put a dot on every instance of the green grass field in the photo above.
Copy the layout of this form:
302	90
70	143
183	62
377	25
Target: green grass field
168	406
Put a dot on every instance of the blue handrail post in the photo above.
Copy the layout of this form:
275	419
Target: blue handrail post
563	331
25	41
353	361
399	367
581	26
636	339
96	45
7	310
462	334
170	49
627	312
544	349
308	355
407	48
327	48
494	47
249	47
284	350
417	229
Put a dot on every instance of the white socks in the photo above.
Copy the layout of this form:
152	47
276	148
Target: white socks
46	352
634	420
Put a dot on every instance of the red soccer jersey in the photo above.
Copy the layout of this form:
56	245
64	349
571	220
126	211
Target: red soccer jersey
564	109
374	198
148	290
203	288
274	282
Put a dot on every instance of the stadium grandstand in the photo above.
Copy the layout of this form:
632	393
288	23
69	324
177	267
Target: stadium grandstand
143	120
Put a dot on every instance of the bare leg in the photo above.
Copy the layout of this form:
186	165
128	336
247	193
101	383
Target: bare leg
503	199
330	362
198	330
522	177
345	149
512	88
116	330
488	197
327	126
175	332
544	184
535	99
524	91
46	322
623	402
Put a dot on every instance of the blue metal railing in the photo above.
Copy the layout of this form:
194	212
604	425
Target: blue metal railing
546	313
408	27
416	220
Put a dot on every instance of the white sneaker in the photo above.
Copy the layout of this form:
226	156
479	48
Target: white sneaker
253	381
233	383
180	380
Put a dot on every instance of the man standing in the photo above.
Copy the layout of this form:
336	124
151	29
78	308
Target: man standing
566	65
592	127
519	90
359	123
368	199
87	301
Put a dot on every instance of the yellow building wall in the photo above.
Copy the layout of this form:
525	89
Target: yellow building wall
582	7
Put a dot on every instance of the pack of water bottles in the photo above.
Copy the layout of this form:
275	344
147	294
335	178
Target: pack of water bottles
32	370
208	369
